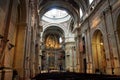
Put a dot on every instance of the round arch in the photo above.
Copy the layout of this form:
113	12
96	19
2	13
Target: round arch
61	31
54	24
98	52
60	5
53	29
53	47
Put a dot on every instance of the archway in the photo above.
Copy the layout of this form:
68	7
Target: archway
52	52
99	57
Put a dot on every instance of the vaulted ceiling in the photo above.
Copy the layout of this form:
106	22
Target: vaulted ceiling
53	30
75	3
71	6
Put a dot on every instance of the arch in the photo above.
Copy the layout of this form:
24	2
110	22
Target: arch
62	28
52	45
53	33
49	29
98	52
60	5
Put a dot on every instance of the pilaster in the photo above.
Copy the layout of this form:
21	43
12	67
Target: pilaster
19	63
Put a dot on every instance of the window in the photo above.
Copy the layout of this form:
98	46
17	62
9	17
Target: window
90	1
60	40
81	13
56	13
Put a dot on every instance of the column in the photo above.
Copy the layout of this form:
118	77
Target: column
78	55
91	67
27	59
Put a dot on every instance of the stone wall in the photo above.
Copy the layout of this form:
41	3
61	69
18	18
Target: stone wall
13	32
102	18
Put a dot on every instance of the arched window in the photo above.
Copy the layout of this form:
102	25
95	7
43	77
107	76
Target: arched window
81	13
90	1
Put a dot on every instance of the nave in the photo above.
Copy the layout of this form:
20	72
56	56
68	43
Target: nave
73	39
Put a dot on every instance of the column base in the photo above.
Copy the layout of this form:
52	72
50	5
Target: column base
114	71
6	73
117	71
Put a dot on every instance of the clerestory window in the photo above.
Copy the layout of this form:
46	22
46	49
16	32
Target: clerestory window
90	1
